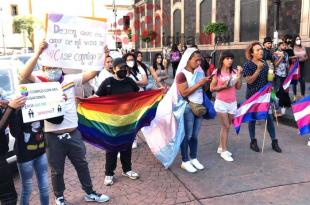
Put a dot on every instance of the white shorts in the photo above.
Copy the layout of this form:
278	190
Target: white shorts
221	106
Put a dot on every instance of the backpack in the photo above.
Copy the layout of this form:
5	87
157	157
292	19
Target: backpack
175	56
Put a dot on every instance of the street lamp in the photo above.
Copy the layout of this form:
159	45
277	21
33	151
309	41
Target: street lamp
115	14
2	30
276	7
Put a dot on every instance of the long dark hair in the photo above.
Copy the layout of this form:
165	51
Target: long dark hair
140	63
294	41
225	54
174	48
134	69
155	61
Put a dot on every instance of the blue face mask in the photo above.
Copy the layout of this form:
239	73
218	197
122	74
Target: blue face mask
53	74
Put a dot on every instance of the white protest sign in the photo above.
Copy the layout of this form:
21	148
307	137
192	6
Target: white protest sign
44	100
74	42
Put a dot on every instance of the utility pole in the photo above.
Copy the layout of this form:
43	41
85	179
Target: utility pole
2	32
115	15
276	8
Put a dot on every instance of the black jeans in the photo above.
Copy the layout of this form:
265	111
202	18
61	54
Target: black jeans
58	148
8	195
301	81
111	161
174	67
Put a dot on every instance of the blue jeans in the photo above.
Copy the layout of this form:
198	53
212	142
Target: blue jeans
192	126
25	169
270	128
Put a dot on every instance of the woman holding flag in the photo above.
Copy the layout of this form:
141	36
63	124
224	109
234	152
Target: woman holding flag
255	73
225	82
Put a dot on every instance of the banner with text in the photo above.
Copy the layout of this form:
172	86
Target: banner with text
44	100
74	42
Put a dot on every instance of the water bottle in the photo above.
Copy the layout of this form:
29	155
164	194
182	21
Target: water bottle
270	75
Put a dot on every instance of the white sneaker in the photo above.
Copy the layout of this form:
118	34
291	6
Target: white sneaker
283	110
309	142
197	164
96	197
60	201
219	151
225	155
131	174
108	180
188	167
134	144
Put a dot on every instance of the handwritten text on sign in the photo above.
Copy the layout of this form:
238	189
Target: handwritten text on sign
44	100
74	42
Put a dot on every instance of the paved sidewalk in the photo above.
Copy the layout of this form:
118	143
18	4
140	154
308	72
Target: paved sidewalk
253	178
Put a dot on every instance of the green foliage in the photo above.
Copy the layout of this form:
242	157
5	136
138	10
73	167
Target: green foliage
216	28
25	23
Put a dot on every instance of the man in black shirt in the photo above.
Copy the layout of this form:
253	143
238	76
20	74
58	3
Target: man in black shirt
268	53
118	84
8	194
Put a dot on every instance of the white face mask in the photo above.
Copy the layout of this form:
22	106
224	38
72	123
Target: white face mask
130	63
298	42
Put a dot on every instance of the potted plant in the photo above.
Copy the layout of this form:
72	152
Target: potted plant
217	29
148	36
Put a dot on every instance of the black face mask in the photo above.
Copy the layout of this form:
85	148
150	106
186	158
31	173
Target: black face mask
121	74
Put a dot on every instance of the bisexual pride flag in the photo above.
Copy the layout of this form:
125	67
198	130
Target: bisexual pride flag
288	79
112	122
301	110
254	108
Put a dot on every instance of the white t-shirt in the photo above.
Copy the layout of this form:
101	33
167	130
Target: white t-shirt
139	76
70	115
197	96
96	82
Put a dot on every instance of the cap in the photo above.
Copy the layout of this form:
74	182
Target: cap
267	39
119	62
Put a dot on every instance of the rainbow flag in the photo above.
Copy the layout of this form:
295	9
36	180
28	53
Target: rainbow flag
112	122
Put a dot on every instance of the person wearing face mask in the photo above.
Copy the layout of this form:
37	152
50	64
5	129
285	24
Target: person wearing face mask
137	73
118	84
301	53
61	133
105	73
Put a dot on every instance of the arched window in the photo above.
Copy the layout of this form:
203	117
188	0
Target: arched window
176	25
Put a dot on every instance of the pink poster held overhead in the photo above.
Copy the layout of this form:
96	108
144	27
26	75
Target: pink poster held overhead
74	42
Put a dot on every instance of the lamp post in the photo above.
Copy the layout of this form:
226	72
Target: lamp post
115	14
276	7
2	32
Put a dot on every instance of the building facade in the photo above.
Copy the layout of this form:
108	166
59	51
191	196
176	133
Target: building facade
183	21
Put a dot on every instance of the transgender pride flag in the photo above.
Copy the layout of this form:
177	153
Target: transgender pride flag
288	79
301	110
255	108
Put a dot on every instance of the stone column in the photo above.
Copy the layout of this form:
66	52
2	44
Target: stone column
305	19
263	19
237	22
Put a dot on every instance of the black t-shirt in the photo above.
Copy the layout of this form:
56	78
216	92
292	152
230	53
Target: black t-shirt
249	69
111	86
30	142
5	115
268	55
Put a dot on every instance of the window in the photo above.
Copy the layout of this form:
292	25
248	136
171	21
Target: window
14	29
14	10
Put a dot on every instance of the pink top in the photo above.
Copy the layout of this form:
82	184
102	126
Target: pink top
227	95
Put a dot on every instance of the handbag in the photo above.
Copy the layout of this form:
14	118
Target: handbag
197	109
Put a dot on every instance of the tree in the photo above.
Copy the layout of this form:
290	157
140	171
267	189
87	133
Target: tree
25	23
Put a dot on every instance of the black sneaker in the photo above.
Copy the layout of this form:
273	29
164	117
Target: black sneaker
254	146
275	146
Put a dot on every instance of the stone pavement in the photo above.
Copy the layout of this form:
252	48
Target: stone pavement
253	178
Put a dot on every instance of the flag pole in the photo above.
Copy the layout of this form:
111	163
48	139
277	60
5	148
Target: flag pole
264	136
275	114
